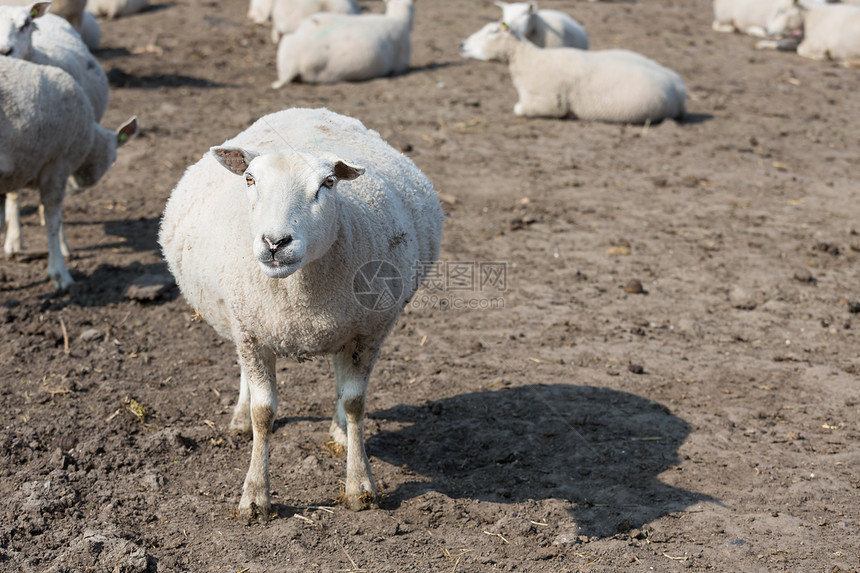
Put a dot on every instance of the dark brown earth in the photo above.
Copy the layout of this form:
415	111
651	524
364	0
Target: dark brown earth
561	420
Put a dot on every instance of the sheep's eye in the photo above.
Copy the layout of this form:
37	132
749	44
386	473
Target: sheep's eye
25	25
249	179
329	181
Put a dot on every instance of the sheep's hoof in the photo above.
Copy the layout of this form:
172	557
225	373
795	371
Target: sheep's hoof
366	500
253	514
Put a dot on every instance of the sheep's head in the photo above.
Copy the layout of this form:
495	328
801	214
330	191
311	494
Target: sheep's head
518	16
102	154
16	28
292	204
786	19
489	44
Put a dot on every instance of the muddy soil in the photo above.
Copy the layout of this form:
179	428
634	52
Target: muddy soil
643	351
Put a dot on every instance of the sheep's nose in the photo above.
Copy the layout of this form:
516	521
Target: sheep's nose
275	244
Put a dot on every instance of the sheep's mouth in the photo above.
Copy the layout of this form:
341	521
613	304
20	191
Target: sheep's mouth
280	269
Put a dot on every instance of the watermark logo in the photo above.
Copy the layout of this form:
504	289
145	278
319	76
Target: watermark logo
378	285
460	285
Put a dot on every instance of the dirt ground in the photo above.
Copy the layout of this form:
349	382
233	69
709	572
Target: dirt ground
538	413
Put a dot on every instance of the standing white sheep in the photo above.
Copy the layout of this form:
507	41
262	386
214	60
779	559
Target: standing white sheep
828	31
544	28
52	41
288	14
329	48
607	85
47	134
270	237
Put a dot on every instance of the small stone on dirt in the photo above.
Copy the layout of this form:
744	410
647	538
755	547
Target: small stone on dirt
854	307
149	287
636	368
634	286
804	276
91	334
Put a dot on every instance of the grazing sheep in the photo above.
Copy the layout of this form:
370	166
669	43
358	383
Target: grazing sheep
828	31
52	42
48	133
607	85
288	14
115	8
544	28
329	48
270	236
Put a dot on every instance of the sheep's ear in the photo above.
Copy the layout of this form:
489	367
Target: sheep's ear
39	9
532	7
343	170
234	159
500	4
505	27
127	130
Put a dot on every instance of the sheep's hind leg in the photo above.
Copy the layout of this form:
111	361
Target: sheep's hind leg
241	421
352	368
259	367
13	230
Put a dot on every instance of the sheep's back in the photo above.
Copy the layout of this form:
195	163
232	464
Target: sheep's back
41	100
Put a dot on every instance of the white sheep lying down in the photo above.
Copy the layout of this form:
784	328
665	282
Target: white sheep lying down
266	236
751	16
607	85
47	134
828	31
115	8
329	48
288	14
544	28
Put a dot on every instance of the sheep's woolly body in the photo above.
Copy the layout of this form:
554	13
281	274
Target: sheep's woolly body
288	14
313	311
746	16
210	234
56	43
46	127
831	31
607	85
329	48
116	8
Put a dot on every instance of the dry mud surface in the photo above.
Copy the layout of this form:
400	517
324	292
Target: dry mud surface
558	420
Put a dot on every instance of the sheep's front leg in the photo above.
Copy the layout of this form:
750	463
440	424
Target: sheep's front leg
52	199
352	368
258	371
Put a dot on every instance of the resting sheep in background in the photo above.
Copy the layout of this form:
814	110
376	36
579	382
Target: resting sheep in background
47	134
288	14
608	85
116	8
266	236
543	28
51	41
827	31
329	48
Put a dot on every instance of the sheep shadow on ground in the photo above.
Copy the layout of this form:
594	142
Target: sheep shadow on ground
119	78
601	449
